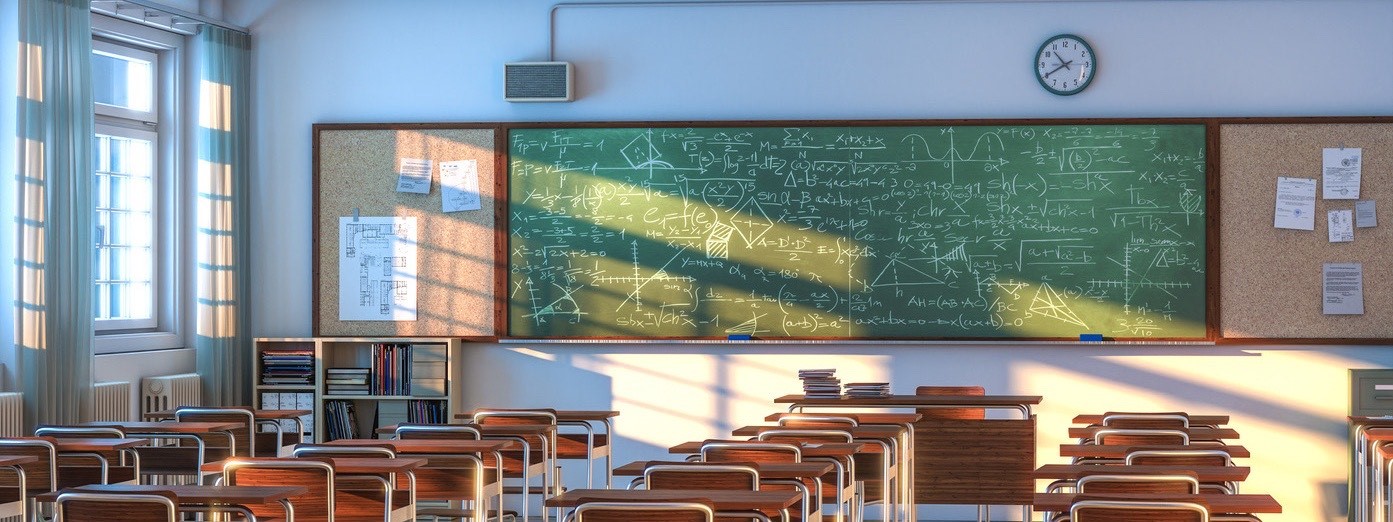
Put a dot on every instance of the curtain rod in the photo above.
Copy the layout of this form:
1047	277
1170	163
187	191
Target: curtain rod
150	12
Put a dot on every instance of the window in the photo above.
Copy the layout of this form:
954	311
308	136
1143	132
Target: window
135	155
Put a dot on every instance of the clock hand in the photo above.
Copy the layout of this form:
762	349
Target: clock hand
1056	69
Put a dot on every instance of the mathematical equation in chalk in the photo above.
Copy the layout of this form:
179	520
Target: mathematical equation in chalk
857	232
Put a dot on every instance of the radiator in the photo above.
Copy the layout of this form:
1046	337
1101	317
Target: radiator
111	401
11	414
167	392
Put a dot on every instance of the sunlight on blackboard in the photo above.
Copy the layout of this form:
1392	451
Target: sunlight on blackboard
858	231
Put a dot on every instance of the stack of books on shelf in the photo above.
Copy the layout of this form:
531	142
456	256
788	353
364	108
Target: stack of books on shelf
868	389
820	383
346	381
340	420
292	367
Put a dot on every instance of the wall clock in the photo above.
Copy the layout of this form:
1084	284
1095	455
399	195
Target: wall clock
1065	64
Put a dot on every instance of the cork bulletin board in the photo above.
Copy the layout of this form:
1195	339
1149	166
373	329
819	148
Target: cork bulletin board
356	169
1271	278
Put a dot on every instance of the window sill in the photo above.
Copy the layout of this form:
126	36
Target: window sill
136	342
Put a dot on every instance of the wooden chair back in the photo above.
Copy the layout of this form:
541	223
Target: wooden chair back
695	510
40	476
952	413
243	443
1139	436
84	506
121	466
335	451
437	431
1194	457
1163	420
1135	511
701	475
750	451
1104	482
805	420
315	505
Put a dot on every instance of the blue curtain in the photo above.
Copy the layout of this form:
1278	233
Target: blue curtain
54	326
223	348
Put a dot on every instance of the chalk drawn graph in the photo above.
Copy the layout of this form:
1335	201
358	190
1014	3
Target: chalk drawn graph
962	231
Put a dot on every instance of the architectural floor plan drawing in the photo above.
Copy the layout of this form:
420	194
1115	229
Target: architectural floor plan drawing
377	269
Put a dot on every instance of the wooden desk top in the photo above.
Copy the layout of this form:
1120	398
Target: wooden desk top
1217	502
1362	420
142	427
561	415
862	418
1195	420
16	460
912	401
1086	432
256	414
429	446
1120	452
772	470
722	499
196	494
92	445
1203	473
348	465
883	431
827	449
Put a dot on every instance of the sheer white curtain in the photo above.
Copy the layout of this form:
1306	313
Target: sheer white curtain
223	347
53	329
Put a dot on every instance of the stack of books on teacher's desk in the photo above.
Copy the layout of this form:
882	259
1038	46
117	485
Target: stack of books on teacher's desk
820	384
868	389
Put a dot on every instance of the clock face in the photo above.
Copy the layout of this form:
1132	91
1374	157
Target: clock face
1065	64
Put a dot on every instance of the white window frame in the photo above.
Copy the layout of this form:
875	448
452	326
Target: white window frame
171	301
108	325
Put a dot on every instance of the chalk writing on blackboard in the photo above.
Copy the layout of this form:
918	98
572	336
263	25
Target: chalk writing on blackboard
876	232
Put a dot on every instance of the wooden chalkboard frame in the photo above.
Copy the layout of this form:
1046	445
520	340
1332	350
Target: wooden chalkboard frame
1211	300
1214	246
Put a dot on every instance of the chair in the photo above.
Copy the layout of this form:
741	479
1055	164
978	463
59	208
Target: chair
318	504
402	498
701	475
1172	420
845	479
73	473
466	478
34	478
538	451
1104	482
242	443
1135	511
84	506
1135	436
697	510
1188	457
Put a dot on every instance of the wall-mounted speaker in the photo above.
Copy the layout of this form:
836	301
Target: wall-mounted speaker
537	81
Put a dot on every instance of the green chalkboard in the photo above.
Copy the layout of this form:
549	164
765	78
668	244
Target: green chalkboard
965	231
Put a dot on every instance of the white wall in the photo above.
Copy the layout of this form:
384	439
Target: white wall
319	61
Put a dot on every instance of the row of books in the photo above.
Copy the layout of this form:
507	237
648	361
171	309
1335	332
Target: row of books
395	369
340	420
341	416
294	367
